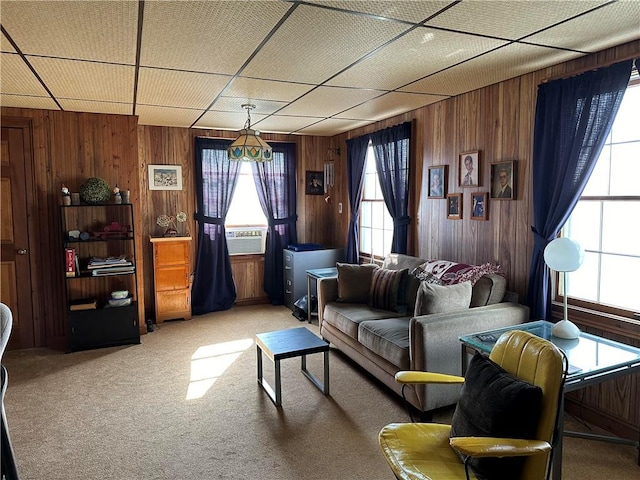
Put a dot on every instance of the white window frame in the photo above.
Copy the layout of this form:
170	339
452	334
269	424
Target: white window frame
595	251
375	223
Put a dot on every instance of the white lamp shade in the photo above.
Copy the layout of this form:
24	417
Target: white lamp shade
563	255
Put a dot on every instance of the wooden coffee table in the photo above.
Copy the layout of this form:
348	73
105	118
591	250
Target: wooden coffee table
292	342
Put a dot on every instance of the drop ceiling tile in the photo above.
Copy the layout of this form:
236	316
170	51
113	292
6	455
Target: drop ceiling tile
507	18
234	104
18	79
172	88
408	11
228	120
285	124
388	105
508	62
206	36
5	46
318	44
332	126
24	101
86	80
164	116
71	105
608	26
100	31
328	101
417	54
266	90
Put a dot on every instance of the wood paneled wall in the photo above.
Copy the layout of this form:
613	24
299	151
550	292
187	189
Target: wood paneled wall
498	121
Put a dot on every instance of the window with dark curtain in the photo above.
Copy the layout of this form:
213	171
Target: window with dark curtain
276	185
216	177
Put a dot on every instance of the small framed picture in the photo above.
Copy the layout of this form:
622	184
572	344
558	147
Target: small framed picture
314	183
165	177
437	181
454	206
468	166
479	205
503	180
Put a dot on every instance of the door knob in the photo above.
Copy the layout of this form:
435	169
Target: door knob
22	251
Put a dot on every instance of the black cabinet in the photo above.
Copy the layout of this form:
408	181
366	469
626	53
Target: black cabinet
99	258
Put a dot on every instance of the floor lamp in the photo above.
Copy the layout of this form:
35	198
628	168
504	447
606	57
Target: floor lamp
564	255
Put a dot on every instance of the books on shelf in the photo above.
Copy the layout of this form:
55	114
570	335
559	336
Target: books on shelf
110	266
70	261
83	304
99	272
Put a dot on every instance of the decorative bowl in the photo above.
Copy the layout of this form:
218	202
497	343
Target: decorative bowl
95	190
120	302
118	294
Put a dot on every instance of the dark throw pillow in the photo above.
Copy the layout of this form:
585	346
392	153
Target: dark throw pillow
494	403
354	282
387	290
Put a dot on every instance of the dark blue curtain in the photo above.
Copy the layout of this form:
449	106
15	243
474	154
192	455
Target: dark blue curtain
356	158
391	148
216	178
276	186
573	118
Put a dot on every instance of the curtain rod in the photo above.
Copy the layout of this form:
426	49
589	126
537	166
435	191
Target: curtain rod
634	56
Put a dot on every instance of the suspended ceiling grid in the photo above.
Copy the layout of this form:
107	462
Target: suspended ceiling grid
317	67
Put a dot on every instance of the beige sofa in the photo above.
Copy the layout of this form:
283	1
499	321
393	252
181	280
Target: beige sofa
384	342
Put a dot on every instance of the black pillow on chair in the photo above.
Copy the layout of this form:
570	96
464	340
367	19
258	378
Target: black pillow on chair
494	403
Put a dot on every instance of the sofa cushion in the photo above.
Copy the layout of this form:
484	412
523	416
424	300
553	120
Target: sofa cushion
354	282
389	338
489	290
347	316
398	261
388	290
434	298
494	403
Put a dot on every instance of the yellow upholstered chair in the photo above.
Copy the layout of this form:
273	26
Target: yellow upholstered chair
426	451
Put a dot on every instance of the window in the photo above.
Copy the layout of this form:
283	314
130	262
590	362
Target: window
245	209
605	220
376	224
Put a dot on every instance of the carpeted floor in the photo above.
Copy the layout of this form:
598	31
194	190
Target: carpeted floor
186	405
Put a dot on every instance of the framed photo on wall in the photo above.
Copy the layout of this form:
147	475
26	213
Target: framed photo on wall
437	181
503	180
314	182
479	205
468	168
454	206
165	177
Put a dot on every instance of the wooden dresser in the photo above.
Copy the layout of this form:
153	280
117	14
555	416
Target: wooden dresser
171	274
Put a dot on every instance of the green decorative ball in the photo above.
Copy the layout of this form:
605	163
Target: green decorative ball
95	190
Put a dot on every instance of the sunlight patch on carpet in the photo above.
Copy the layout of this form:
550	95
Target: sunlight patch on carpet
209	362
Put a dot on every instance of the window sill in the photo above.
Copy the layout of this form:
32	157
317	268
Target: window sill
628	327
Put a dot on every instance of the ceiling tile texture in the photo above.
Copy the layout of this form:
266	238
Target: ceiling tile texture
312	68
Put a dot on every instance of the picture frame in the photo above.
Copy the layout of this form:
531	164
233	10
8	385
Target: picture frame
314	182
437	181
479	205
165	177
503	180
469	169
454	206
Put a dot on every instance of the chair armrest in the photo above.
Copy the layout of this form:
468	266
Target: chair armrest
498	447
410	376
327	292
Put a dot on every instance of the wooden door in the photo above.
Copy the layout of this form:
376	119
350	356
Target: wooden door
15	273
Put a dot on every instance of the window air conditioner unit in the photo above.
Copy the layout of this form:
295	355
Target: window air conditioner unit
246	240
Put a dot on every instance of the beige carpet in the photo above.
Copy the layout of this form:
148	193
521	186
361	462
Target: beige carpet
186	405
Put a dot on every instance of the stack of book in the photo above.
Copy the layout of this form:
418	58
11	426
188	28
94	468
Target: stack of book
83	304
110	266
